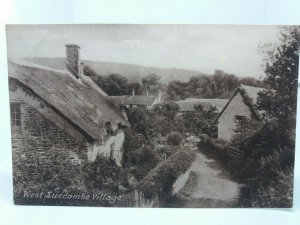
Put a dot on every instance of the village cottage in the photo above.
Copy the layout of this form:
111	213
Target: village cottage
63	110
134	101
190	104
239	108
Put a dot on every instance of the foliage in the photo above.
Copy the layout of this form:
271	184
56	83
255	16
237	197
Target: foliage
174	139
102	174
139	156
32	172
151	83
200	121
142	121
137	87
159	181
114	84
56	173
212	146
273	184
152	123
167	109
269	149
245	129
251	81
279	98
219	85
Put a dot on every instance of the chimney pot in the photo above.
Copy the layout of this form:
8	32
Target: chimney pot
159	95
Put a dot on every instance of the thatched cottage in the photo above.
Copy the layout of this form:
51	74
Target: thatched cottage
190	104
238	108
134	101
63	110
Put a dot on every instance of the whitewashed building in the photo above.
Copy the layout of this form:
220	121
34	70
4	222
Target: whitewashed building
238	108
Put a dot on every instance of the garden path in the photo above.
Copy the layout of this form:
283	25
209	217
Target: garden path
207	186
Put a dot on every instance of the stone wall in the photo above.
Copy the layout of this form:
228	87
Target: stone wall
42	137
111	147
180	182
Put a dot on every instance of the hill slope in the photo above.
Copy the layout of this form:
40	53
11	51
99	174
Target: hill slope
131	71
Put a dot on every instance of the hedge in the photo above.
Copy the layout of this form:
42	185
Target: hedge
212	145
160	180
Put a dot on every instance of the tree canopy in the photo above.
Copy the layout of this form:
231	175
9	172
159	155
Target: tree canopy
279	98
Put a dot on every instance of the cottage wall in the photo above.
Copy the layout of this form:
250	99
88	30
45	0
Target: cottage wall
44	131
39	135
227	123
110	147
42	138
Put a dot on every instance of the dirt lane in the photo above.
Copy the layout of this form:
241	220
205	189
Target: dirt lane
208	186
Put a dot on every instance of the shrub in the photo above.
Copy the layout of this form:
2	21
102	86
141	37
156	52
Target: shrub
272	185
216	148
103	173
174	139
159	181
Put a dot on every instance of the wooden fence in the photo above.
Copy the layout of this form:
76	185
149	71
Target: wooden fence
235	153
137	199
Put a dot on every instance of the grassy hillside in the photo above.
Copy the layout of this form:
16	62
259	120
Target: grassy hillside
131	71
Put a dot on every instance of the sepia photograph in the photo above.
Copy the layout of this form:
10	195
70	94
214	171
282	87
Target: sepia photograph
153	116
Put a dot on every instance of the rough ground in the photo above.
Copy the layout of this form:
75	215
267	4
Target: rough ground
208	186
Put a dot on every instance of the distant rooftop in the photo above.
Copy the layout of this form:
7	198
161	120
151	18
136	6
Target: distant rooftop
190	103
135	100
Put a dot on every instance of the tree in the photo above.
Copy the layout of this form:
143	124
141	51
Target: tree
142	121
269	148
278	100
167	109
178	90
251	81
151	83
115	84
219	85
137	87
201	120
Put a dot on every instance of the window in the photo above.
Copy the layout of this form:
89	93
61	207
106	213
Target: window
15	117
241	120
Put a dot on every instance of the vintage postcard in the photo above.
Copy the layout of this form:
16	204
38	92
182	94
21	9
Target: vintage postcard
175	116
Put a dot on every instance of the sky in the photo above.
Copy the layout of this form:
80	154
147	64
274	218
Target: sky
234	49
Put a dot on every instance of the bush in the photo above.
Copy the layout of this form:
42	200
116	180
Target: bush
272	185
215	148
174	139
266	169
159	181
102	174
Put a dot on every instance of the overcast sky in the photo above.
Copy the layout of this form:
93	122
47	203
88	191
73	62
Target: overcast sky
234	49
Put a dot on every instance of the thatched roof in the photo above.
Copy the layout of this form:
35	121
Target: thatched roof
78	100
134	100
189	104
252	92
249	95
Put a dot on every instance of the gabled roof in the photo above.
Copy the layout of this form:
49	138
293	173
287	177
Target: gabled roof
252	92
249	95
78	100
135	99
189	104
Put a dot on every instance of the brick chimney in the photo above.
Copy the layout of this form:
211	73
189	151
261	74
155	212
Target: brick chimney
73	63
